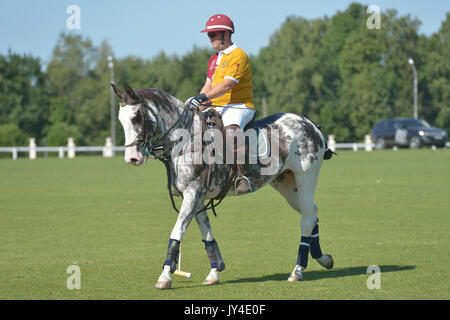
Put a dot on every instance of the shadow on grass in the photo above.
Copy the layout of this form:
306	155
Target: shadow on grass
323	274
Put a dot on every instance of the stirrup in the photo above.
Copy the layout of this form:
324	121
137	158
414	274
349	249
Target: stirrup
250	189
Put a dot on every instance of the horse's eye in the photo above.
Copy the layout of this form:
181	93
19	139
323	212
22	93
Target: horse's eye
136	119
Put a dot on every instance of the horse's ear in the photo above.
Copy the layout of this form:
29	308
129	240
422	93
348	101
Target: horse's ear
117	91
131	92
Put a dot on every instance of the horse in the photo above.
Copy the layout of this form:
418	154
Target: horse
155	122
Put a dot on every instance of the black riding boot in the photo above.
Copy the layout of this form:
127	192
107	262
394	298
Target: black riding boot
242	183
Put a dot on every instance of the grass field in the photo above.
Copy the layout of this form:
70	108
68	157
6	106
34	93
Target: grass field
384	208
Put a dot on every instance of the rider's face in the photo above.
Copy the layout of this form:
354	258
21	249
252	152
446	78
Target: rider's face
216	39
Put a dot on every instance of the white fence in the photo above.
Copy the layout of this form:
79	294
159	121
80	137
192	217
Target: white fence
62	151
108	150
70	150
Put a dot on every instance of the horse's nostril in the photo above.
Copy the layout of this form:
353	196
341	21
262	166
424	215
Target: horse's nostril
134	160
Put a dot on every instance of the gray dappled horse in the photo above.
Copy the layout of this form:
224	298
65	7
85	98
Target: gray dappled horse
153	122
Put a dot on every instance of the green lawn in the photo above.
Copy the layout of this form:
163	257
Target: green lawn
384	208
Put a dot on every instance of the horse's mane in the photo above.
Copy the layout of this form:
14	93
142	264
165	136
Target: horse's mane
165	101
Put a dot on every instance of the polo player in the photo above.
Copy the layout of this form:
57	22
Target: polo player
228	89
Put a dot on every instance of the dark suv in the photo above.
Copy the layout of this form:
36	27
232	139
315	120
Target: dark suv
407	132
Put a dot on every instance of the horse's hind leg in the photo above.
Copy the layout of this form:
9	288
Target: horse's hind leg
299	190
212	249
325	260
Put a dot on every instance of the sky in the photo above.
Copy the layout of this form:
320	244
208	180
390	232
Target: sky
145	28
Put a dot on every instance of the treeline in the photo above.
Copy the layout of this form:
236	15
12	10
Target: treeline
334	70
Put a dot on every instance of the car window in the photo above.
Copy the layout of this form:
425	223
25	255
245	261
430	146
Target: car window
417	123
426	124
379	125
390	125
402	124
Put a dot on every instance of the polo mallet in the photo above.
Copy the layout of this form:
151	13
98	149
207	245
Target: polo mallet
179	272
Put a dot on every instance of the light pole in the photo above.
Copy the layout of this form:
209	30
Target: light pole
113	106
411	62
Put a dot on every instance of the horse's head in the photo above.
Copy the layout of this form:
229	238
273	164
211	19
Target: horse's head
137	122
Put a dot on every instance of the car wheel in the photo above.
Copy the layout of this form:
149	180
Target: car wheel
414	143
380	144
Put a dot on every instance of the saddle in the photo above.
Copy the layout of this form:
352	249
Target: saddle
211	119
257	144
257	141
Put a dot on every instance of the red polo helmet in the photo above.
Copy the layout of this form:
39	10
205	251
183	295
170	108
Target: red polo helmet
219	22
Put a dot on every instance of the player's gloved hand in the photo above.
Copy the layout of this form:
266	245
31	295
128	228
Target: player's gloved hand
195	102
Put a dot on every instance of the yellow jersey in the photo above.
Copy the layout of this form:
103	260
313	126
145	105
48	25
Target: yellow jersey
232	63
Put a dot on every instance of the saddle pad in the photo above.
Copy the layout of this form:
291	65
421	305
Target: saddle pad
259	144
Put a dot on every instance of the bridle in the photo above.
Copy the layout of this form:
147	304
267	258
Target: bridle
148	141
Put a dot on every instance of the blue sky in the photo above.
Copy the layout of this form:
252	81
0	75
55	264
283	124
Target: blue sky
145	28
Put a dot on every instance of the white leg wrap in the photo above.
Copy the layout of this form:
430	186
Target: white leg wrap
297	274
212	278
164	280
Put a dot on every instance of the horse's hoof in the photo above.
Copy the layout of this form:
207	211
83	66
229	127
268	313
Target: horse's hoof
326	261
163	284
210	282
296	275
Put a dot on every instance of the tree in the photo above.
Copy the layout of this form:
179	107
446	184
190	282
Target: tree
340	73
436	77
335	115
286	67
12	135
333	70
374	72
24	93
58	134
192	72
79	74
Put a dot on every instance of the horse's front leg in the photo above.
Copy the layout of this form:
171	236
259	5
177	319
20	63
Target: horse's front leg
212	249
190	205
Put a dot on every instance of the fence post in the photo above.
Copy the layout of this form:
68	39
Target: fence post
331	142
108	148
355	147
368	143
32	152
70	148
61	152
14	153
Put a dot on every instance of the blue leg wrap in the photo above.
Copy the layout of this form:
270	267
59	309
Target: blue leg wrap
303	252
172	255
316	252
214	256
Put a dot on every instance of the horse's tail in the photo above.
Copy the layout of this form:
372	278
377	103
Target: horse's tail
328	154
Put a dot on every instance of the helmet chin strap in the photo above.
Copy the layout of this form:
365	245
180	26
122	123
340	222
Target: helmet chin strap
222	41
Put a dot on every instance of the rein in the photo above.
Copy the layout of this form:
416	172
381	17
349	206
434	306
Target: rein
148	148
